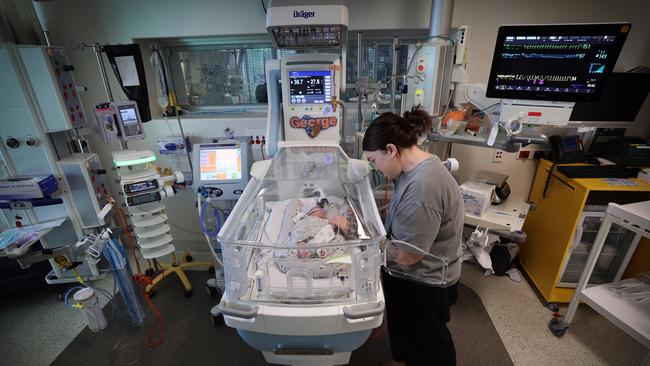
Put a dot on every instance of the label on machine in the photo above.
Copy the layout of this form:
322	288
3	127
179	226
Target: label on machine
312	126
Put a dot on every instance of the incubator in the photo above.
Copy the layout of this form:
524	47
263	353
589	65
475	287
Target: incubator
301	257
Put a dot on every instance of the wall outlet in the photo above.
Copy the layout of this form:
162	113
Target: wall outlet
539	154
524	155
255	133
497	156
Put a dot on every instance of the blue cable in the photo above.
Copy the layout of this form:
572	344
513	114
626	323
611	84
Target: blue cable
67	294
215	212
122	276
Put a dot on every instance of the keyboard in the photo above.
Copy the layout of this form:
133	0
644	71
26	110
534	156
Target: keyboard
597	171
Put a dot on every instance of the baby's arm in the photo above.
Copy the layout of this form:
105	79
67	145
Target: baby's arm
347	226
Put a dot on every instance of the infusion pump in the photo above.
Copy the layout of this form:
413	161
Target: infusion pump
119	120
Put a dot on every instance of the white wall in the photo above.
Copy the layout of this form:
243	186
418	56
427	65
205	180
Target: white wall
121	21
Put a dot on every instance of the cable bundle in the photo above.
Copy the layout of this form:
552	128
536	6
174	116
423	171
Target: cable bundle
122	275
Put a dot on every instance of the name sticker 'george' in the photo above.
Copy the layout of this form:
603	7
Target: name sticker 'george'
312	126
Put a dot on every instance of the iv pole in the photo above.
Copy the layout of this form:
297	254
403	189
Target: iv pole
169	80
98	49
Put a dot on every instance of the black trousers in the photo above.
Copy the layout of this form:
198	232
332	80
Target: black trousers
417	317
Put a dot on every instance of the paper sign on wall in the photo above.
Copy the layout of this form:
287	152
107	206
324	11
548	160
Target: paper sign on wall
127	70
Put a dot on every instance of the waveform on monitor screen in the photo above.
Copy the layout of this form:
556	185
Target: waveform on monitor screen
519	55
547	46
537	79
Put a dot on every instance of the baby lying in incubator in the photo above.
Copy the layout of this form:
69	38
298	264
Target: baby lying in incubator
322	224
309	229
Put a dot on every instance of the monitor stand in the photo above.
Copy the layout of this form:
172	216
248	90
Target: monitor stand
536	112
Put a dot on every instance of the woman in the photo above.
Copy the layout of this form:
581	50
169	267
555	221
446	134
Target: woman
426	211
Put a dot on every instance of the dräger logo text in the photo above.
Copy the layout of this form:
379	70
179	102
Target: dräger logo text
304	14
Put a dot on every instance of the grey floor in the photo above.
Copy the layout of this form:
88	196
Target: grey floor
36	327
521	321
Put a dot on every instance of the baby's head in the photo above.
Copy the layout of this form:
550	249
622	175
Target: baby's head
321	209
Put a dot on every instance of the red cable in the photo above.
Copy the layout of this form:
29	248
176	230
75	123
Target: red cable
159	321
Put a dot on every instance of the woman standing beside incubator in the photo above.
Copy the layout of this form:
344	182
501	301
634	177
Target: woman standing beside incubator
424	225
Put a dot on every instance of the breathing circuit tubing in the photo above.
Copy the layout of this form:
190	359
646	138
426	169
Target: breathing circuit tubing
217	213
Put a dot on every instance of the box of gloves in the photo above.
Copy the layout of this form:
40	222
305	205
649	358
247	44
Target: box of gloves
477	197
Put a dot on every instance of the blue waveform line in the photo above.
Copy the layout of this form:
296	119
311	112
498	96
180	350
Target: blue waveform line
544	55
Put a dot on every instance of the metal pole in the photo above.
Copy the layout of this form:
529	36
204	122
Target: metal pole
48	38
98	54
109	94
170	81
402	105
441	13
393	75
359	91
78	140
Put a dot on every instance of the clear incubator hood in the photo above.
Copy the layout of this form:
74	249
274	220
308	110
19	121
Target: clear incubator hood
305	231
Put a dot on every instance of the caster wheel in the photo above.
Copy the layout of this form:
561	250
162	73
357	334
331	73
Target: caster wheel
213	291
553	307
188	258
188	293
557	327
211	270
217	320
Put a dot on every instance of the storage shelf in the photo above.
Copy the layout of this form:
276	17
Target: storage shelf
157	252
155	242
146	209
144	221
466	139
151	232
633	318
510	215
551	228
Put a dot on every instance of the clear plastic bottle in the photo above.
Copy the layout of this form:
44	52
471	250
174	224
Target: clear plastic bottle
91	308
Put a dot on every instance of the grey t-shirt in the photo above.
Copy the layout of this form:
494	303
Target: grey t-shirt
427	211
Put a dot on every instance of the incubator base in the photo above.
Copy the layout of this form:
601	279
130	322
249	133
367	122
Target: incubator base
342	358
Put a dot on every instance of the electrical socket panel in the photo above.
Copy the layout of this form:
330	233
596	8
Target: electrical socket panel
530	154
497	156
524	155
256	134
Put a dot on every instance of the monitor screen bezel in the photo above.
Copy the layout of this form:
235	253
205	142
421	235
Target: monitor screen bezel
231	146
550	30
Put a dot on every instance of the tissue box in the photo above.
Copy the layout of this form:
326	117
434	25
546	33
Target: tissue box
27	187
477	197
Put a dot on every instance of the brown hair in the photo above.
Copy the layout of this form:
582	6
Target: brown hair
403	132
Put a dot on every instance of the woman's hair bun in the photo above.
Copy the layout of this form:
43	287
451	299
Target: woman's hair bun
419	120
403	132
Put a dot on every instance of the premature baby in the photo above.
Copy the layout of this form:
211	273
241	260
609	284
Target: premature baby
322	224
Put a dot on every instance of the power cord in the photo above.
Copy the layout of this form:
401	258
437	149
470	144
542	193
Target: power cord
548	179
